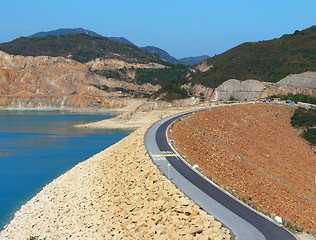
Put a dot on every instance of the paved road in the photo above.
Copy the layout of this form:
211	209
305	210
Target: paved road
245	223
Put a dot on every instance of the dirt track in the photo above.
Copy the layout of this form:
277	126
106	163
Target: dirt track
253	151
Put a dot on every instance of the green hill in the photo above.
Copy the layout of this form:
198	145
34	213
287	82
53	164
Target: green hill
79	47
267	61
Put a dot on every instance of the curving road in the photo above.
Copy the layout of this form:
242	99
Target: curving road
244	223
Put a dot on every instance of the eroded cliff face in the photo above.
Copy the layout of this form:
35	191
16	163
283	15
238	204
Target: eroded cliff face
56	82
304	83
42	75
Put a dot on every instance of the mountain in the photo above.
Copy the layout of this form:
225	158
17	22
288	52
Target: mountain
80	47
267	61
122	40
65	31
188	61
166	56
153	50
161	53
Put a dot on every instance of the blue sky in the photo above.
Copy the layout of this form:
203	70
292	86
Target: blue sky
182	28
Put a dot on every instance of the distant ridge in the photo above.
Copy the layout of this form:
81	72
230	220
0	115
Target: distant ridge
150	49
192	60
122	40
79	47
166	56
65	31
161	53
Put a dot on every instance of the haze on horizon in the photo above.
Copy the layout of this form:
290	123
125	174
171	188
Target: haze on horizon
182	28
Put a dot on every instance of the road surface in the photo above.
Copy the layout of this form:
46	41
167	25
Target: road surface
245	223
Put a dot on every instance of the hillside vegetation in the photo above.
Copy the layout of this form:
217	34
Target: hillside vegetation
171	80
306	119
267	61
79	47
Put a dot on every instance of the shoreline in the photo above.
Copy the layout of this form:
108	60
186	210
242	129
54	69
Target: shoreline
112	111
139	117
131	105
116	193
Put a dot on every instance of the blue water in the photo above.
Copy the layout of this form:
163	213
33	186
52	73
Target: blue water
38	146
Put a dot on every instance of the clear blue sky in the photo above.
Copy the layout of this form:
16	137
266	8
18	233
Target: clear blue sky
182	28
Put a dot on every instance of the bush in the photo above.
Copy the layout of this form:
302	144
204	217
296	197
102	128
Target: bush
310	135
299	98
304	118
160	76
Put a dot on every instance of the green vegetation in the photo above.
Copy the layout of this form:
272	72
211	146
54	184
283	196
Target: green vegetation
133	93
306	118
79	47
102	87
110	74
173	91
160	76
310	135
265	61
171	80
297	98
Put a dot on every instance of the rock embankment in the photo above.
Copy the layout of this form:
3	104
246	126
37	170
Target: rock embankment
116	194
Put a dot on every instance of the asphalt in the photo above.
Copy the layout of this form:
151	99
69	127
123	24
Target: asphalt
244	222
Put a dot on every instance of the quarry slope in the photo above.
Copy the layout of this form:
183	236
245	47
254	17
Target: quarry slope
55	82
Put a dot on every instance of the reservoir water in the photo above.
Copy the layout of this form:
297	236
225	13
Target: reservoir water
38	146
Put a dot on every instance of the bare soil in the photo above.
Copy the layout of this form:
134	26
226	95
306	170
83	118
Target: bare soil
253	152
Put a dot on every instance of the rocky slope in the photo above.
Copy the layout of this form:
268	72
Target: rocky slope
57	82
117	194
304	83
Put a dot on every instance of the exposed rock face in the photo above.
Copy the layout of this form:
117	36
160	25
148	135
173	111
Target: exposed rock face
155	105
239	90
278	89
43	75
304	83
26	101
57	82
199	89
114	64
203	67
307	79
